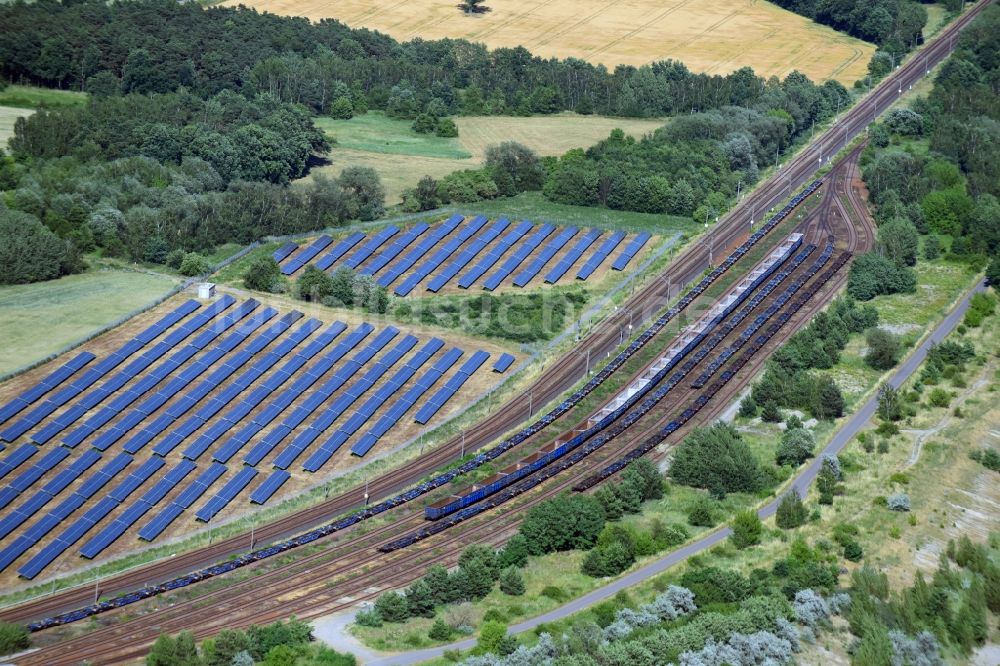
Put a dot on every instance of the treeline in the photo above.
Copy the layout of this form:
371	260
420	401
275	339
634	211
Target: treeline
158	46
693	166
139	209
931	171
259	138
896	26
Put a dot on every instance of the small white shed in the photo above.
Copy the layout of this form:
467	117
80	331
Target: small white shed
206	290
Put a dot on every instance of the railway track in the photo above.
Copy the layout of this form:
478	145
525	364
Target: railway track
254	601
564	372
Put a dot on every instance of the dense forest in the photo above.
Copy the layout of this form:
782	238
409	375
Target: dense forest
197	118
932	171
158	46
894	25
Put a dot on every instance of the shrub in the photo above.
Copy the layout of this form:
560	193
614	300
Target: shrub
514	554
195	264
446	127
938	397
368	618
29	250
608	560
554	592
872	274
175	258
13	638
491	636
747	529
771	413
264	274
883	349
392	607
748	408
716	458
898	502
440	631
791	512
810	608
511	582
796	447
853	551
702	514
564	523
425	123
669	535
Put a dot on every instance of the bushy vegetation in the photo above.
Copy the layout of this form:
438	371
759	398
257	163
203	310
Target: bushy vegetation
787	381
13	638
950	610
988	458
264	274
30	252
716	458
342	288
640	481
242	138
286	643
479	569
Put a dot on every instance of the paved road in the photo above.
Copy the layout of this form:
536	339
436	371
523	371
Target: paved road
801	484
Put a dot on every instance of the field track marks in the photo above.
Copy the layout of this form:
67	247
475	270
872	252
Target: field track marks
847	63
506	22
715	26
722	63
375	10
635	31
562	30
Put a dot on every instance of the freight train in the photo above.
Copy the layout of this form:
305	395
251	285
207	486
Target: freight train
442	479
631	395
571	458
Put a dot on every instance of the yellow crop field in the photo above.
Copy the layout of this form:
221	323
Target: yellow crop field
716	36
8	116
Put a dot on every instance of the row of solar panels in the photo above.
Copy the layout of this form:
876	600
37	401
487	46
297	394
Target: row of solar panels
240	481
474	242
92	375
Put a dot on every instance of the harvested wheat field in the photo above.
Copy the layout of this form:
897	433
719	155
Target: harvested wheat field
715	37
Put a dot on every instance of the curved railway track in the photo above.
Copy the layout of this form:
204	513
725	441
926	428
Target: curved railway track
563	374
260	598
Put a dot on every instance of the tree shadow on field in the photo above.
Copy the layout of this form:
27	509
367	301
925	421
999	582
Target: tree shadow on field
473	7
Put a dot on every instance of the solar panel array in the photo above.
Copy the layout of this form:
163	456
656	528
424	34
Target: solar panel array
403	404
596	259
306	255
339	250
450	388
631	250
466	255
92	375
216	378
450	251
549	251
446	250
503	363
572	256
284	251
519	255
52	381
